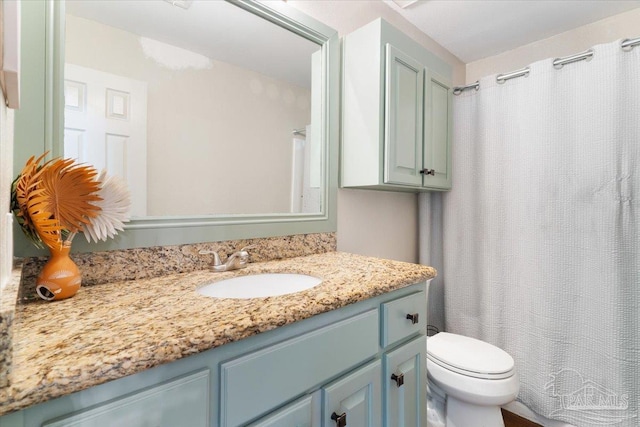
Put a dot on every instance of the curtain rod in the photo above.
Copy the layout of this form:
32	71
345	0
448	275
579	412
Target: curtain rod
626	45
582	56
501	78
459	89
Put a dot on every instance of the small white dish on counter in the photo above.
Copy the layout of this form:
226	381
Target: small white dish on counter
259	285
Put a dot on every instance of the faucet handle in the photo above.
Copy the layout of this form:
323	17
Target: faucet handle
244	254
216	257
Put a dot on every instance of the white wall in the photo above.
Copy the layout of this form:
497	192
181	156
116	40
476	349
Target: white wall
6	178
203	156
347	16
376	223
624	25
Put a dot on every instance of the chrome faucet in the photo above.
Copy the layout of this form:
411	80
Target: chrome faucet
235	261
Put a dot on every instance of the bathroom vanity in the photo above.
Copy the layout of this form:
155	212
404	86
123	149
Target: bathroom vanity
350	348
154	352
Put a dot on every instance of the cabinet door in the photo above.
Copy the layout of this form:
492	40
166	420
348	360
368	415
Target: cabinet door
15	419
269	377
404	99
437	131
405	381
354	400
296	414
180	402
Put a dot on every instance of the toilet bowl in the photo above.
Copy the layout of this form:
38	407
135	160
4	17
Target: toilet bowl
473	379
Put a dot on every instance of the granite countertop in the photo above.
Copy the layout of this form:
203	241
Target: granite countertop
112	330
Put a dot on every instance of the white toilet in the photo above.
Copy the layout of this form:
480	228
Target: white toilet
468	381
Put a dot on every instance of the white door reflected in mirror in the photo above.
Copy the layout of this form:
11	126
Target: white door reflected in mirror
105	125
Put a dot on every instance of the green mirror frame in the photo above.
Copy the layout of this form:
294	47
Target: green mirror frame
39	127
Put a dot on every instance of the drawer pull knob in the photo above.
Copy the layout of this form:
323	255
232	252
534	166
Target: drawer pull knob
428	172
341	420
399	379
413	317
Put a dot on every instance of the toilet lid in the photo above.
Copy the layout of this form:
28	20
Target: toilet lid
469	356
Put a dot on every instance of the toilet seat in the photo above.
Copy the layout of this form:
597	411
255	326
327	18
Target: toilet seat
469	356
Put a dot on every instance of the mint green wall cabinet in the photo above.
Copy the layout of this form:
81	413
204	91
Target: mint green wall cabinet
298	375
396	115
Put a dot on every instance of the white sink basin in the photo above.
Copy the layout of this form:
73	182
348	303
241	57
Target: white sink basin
259	285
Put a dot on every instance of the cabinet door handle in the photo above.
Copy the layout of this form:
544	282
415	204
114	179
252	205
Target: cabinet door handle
341	420
413	317
428	172
399	379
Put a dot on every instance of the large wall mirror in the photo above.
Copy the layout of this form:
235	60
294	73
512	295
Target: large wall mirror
220	115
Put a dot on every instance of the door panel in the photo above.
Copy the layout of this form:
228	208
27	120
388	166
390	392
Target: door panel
106	127
355	397
297	414
405	400
403	118
437	131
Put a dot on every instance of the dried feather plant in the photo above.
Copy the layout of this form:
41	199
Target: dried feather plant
114	209
65	201
23	189
55	200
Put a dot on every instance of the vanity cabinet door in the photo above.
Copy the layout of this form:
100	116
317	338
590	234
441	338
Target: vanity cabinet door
296	414
403	118
437	131
405	381
180	402
259	382
354	400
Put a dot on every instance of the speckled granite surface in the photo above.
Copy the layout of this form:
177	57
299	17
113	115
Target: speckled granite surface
144	263
8	298
116	329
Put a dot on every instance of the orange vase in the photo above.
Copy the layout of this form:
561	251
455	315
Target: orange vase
60	277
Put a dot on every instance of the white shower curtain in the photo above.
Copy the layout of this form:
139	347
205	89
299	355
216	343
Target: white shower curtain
542	232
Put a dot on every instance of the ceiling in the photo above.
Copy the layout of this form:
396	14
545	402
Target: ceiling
470	29
476	29
214	29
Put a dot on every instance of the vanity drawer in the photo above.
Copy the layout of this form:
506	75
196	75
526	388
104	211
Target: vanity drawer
399	319
179	402
254	384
